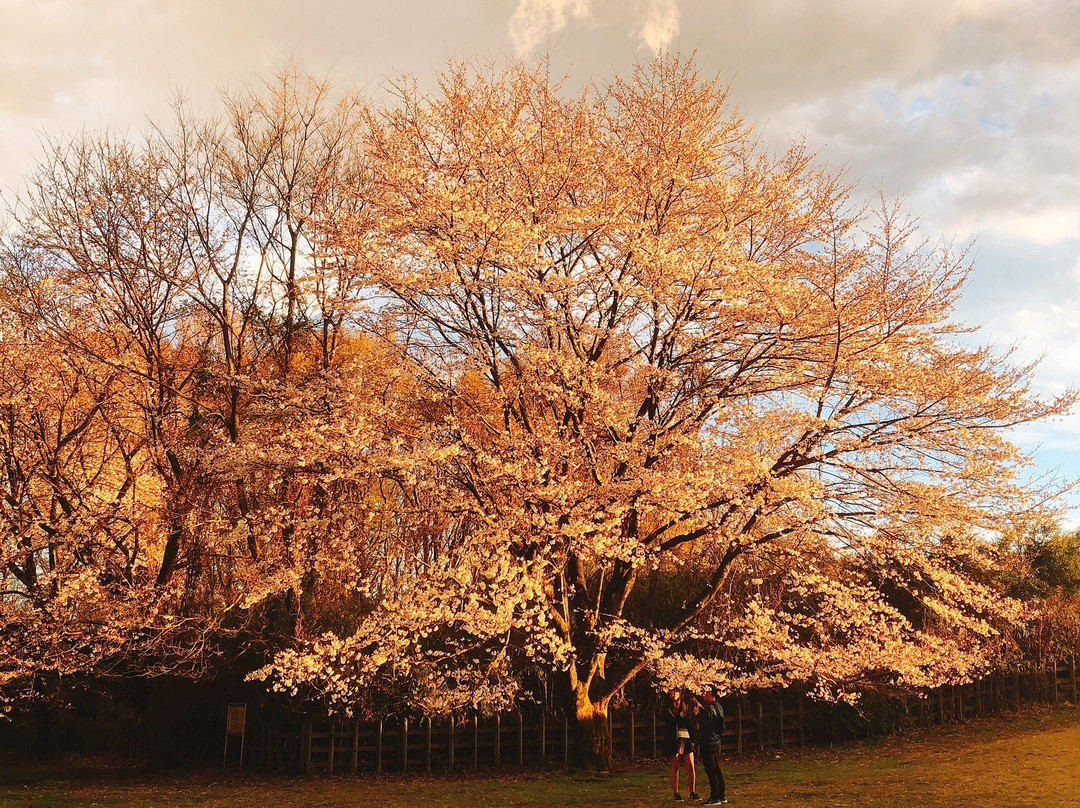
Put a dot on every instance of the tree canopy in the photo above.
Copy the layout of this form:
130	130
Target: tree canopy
492	379
645	344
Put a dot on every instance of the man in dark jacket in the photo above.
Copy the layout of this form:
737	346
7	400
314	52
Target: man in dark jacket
709	732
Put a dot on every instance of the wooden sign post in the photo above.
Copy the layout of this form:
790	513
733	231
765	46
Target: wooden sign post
235	724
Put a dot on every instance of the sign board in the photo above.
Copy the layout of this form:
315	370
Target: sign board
236	719
235	724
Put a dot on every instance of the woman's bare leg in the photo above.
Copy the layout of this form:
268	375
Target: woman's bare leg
691	771
675	760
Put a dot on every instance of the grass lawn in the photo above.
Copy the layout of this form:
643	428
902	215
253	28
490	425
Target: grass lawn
1027	760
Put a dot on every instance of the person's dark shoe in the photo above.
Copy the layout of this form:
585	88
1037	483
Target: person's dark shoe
694	795
677	797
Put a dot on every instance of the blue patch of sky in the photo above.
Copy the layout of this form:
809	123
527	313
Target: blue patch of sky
887	101
963	96
1061	464
1012	273
917	111
991	124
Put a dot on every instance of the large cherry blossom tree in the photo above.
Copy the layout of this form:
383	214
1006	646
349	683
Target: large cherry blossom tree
683	406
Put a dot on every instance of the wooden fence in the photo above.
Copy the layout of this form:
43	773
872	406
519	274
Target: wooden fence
752	724
277	739
516	739
996	693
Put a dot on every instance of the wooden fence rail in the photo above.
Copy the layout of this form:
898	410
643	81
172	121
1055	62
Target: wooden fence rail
772	720
280	740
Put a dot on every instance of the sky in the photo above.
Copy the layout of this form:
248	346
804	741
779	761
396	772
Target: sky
968	109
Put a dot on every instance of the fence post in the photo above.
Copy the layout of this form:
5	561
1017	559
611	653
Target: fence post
475	739
543	734
405	743
566	740
355	744
498	739
521	738
450	745
760	727
978	697
1072	676
1054	674
781	723
802	721
330	746
305	744
632	750
738	728
427	745
652	730
378	748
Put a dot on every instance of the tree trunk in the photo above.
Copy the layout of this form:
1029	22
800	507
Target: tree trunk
594	739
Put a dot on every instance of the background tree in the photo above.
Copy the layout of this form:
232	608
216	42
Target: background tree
170	343
1043	569
643	343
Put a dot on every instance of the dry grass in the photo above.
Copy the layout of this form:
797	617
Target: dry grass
1016	762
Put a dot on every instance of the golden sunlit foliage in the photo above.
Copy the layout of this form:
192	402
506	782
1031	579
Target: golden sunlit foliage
644	342
496	378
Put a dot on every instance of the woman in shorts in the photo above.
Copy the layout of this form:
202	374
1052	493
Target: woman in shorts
679	740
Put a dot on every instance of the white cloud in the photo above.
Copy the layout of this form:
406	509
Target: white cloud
655	23
1048	226
660	24
535	20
